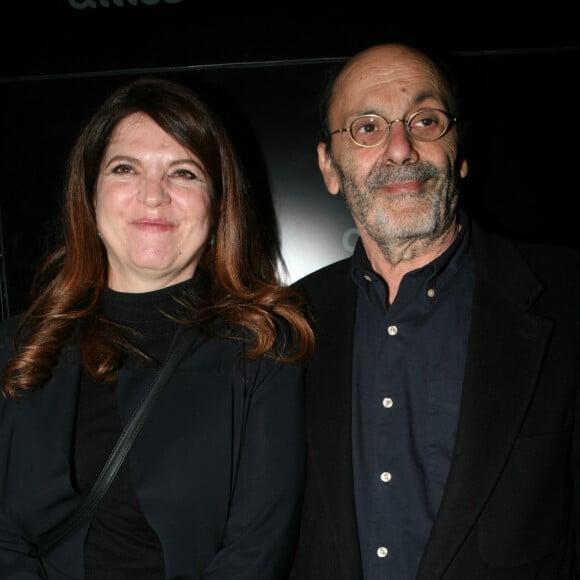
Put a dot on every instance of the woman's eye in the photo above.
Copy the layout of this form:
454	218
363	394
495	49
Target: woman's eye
121	169
185	174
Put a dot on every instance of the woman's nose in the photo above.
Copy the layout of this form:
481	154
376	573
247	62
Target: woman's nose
153	192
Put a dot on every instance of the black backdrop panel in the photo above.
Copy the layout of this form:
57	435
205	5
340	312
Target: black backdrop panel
520	107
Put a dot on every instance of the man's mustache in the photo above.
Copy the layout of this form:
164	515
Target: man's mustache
389	174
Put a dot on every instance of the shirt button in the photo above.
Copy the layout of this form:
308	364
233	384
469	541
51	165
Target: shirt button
385	476
382	552
387	402
431	292
367	278
392	330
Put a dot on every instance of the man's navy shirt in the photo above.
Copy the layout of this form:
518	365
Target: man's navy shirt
409	360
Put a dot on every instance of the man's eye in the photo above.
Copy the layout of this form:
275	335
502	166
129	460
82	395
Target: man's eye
368	128
426	122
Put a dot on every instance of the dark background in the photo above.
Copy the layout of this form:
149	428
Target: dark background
263	69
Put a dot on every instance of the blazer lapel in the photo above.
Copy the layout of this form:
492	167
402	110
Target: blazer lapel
499	381
55	404
329	395
49	415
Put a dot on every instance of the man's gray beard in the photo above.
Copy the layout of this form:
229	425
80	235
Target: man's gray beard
380	226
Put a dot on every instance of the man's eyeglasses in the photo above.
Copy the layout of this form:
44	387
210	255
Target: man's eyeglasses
424	125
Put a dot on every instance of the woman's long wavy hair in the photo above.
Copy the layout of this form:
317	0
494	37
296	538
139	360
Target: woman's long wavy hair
243	287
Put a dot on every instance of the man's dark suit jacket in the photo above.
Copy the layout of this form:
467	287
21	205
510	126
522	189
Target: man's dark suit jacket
218	467
510	509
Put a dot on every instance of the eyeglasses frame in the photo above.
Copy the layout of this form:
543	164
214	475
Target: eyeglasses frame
451	119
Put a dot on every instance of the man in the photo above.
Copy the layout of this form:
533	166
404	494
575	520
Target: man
441	400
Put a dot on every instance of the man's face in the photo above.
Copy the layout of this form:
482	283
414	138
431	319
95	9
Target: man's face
403	188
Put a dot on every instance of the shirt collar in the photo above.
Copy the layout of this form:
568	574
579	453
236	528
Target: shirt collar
436	273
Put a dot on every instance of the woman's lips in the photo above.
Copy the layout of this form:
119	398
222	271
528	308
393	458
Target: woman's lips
153	225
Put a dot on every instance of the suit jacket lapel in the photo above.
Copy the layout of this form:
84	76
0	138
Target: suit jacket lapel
499	382
329	395
55	404
50	415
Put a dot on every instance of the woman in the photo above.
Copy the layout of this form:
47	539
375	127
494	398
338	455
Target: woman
158	236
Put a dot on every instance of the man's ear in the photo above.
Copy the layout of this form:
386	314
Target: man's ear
463	169
327	169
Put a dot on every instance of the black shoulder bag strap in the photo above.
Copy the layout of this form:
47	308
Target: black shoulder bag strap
85	509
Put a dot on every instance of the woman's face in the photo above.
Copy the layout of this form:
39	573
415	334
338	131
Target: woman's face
153	207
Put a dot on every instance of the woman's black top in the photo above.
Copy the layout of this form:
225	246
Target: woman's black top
120	544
